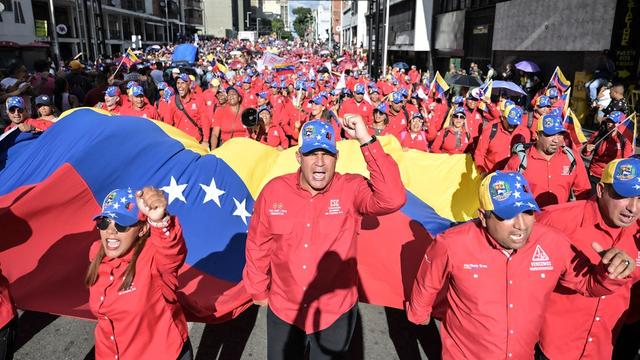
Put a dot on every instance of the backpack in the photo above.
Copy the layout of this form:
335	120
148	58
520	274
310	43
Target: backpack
521	150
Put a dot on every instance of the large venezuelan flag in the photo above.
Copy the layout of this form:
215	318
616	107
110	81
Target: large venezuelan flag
51	186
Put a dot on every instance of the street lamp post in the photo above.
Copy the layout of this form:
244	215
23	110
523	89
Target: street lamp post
247	21
258	26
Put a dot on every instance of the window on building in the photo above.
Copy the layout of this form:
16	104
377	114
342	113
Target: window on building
138	26
115	31
17	13
149	32
126	27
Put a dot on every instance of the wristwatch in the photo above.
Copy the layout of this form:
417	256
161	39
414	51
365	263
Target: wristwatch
373	139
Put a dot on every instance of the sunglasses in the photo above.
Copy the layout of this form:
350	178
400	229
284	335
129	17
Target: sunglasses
103	224
459	116
16	110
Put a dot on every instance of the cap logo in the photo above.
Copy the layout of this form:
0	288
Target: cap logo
548	122
108	201
512	114
500	191
308	131
626	172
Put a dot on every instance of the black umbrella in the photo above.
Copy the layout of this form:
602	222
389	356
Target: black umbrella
466	80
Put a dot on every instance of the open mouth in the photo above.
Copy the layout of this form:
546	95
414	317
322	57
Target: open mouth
517	237
113	244
319	175
626	218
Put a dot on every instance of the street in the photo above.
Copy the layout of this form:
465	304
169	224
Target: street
45	336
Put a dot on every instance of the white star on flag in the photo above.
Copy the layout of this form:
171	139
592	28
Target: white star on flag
518	203
175	191
116	206
212	193
318	137
518	184
516	194
241	210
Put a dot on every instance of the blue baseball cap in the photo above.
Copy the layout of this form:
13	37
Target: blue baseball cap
506	194
555	111
112	91
317	135
382	107
552	93
162	85
247	80
318	100
131	84
459	110
543	101
120	206
404	91
513	113
457	99
551	124
616	116
359	89
374	89
264	108
44	100
335	92
137	91
263	94
311	85
168	93
15	102
274	84
624	176
397	97
184	77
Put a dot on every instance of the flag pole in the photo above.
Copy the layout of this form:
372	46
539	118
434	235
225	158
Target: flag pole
615	128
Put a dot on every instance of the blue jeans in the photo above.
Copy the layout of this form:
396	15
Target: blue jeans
593	86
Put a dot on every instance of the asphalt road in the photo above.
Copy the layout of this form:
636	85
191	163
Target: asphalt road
45	336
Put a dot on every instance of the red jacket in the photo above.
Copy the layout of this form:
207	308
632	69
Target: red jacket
196	108
274	136
7	307
364	109
301	249
39	125
145	321
582	327
551	181
147	111
446	142
495	299
417	141
614	146
230	123
492	154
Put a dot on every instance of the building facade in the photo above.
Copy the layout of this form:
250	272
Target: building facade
97	27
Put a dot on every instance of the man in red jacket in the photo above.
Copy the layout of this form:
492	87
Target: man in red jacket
552	169
140	106
497	140
310	285
192	118
357	105
500	270
579	327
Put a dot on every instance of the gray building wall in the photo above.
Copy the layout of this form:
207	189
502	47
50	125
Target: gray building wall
217	17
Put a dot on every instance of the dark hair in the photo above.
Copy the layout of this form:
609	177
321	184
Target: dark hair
41	66
129	273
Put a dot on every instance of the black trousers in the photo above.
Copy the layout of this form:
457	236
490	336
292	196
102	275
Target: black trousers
288	342
8	339
187	351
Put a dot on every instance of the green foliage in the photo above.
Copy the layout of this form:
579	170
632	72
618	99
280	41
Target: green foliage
277	26
304	19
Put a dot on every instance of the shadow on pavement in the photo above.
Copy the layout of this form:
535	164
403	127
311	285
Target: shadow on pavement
31	323
227	341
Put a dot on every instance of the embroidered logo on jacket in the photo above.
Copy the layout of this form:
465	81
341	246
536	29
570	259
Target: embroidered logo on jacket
277	209
131	289
540	260
334	207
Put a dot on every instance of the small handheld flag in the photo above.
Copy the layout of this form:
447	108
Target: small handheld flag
439	84
574	128
628	128
559	80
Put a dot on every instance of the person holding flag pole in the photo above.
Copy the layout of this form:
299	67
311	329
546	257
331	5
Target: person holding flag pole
614	140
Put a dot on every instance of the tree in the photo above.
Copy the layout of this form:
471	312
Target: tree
277	26
303	21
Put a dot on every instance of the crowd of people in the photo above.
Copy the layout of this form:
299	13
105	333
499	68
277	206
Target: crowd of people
514	283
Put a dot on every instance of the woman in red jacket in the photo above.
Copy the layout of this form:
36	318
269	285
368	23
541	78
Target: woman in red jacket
133	281
453	139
